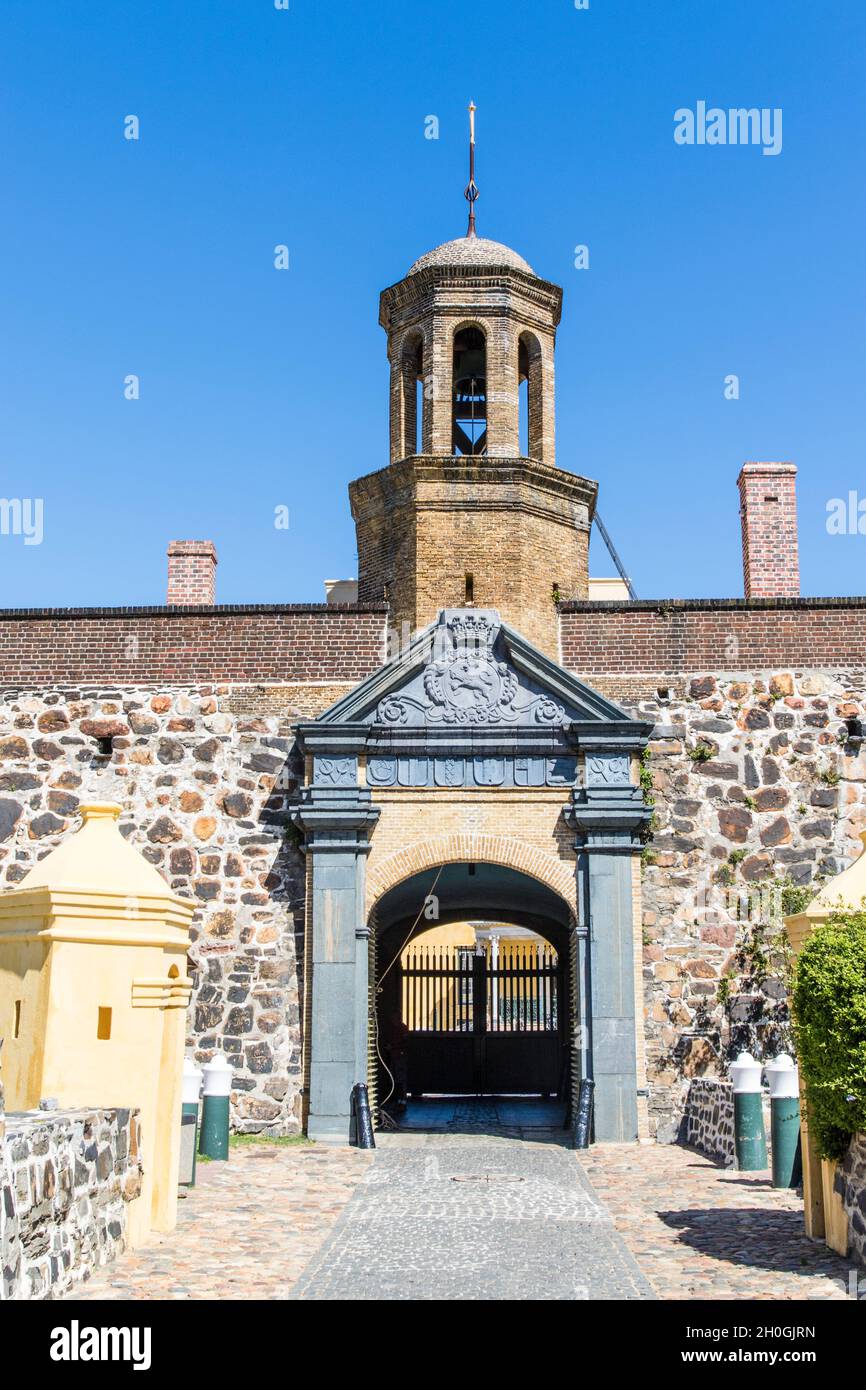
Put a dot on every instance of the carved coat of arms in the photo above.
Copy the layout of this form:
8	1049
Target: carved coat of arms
466	684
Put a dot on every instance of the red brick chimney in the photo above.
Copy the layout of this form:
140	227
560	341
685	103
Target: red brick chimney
768	514
191	572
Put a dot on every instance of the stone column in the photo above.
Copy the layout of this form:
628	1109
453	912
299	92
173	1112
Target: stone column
336	816
607	813
503	389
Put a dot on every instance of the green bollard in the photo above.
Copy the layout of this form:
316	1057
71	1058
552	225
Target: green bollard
784	1117
749	1137
784	1133
214	1136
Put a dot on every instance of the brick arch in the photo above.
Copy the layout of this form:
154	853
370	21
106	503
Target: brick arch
556	874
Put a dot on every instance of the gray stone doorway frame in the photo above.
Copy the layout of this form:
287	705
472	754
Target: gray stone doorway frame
337	815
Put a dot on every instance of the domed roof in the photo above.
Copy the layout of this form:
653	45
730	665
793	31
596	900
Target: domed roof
474	250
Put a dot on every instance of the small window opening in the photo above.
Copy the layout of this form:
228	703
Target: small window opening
16	1026
664	692
104	747
103	1025
469	589
771	499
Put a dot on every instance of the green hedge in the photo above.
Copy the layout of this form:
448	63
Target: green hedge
829	1006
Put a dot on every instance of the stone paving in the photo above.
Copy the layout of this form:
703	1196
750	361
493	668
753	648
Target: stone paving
472	1217
246	1230
463	1214
700	1231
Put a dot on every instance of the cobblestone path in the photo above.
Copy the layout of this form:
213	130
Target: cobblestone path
700	1231
467	1215
246	1230
471	1216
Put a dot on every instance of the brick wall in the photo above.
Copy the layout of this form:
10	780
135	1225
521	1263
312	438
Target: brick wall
192	572
238	642
768	516
639	641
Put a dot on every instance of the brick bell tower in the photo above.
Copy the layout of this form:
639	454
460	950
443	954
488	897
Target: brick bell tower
463	515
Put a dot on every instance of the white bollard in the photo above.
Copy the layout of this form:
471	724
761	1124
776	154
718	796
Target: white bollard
190	1091
214	1140
783	1077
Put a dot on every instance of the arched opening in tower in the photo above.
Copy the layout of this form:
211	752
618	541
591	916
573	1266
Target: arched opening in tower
412	385
469	397
531	400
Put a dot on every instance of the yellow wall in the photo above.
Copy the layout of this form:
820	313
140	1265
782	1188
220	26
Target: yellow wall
92	927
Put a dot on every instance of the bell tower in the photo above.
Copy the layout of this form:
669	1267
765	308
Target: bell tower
472	509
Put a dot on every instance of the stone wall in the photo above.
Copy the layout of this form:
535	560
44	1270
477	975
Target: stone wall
204	782
853	1182
751	781
753	790
66	1179
708	1119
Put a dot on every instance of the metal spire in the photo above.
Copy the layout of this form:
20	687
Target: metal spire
471	191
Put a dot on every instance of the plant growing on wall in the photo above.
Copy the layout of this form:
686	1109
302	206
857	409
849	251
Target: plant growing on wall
829	1003
646	785
761	959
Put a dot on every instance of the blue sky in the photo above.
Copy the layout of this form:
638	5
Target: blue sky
262	388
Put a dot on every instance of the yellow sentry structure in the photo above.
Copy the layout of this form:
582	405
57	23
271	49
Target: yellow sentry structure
824	1213
93	995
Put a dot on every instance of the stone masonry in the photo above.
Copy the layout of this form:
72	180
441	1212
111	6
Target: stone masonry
708	1119
204	777
758	788
66	1178
852	1180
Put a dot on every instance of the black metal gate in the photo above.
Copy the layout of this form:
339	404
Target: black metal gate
482	1025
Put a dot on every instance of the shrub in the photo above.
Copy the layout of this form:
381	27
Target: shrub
829	1003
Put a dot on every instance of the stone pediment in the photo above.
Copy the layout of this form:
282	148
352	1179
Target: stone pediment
471	672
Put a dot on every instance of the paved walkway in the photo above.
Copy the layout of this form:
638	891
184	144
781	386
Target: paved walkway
465	1216
700	1231
461	1214
246	1230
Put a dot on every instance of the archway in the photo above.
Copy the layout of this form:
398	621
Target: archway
473	975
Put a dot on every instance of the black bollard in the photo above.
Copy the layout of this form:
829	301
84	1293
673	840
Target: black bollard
583	1121
362	1120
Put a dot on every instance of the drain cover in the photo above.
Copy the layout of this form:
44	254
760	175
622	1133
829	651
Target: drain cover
487	1177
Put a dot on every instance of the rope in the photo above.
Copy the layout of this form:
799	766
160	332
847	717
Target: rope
379	982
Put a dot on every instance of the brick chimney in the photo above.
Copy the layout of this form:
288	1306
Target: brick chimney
768	514
191	572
